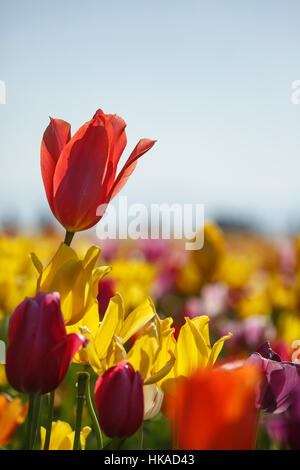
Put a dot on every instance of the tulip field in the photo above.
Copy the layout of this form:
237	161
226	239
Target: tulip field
141	344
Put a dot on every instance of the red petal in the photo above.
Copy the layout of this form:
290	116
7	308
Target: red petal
56	136
57	363
79	175
117	126
136	405
142	147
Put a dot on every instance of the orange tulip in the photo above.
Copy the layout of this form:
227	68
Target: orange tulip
215	410
12	414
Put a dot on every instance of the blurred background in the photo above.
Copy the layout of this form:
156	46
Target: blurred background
210	80
214	82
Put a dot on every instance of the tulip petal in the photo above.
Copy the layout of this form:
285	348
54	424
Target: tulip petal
65	256
112	318
153	398
144	350
79	174
217	348
161	374
142	147
118	125
137	319
280	379
112	393
77	298
59	359
215	410
22	369
136	405
192	351
56	136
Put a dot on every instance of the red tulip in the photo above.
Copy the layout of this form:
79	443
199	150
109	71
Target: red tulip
39	351
79	173
119	400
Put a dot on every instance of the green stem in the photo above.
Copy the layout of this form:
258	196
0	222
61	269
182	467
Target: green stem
140	438
49	420
35	420
82	378
115	443
29	421
93	415
69	237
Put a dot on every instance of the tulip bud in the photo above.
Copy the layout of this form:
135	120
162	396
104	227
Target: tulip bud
39	351
80	173
119	400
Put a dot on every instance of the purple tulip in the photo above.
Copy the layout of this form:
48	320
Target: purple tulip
280	379
285	429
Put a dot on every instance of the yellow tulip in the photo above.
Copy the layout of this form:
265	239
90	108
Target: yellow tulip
76	280
193	350
153	352
106	338
62	436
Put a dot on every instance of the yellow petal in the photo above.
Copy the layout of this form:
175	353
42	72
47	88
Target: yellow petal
87	326
201	324
113	317
137	319
163	372
83	283
43	436
59	432
115	354
90	259
168	346
39	267
83	435
142	354
192	350
216	349
64	255
97	274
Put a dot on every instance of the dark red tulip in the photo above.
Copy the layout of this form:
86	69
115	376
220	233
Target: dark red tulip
119	400
80	173
39	351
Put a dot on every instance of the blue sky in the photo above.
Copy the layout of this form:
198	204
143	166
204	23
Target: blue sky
210	80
